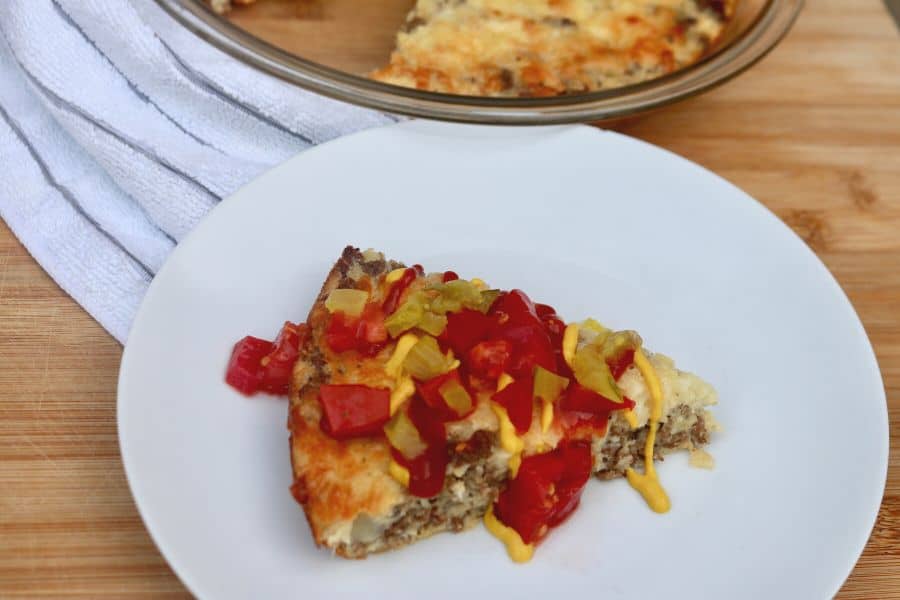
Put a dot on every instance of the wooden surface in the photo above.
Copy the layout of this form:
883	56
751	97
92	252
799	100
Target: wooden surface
813	132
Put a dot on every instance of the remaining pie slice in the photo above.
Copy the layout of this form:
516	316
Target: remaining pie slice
426	403
549	47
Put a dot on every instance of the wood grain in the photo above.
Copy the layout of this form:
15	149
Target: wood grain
813	132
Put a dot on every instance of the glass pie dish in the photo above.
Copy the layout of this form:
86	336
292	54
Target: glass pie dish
328	46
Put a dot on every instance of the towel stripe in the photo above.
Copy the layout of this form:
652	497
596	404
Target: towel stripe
210	86
67	194
137	92
71	108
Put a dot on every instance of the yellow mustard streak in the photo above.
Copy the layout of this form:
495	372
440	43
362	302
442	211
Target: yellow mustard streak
479	283
515	461
399	472
403	392
509	441
546	415
518	550
570	342
647	484
394	275
395	363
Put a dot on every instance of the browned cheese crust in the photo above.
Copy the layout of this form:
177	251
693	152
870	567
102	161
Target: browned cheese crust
525	48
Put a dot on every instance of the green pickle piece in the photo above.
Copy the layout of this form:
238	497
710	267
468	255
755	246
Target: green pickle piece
592	372
548	385
349	302
456	295
487	299
407	315
456	396
432	324
425	360
403	435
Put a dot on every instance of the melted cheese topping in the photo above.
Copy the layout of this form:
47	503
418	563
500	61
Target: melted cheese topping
518	550
546	48
647	484
701	459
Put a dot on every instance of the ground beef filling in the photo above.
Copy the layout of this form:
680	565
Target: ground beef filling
473	480
472	484
624	448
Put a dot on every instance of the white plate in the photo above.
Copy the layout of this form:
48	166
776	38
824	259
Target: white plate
592	222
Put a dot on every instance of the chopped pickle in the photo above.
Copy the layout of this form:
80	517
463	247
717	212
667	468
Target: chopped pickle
395	363
403	435
425	360
548	385
432	323
349	302
594	325
442	305
456	397
487	299
407	315
592	372
455	295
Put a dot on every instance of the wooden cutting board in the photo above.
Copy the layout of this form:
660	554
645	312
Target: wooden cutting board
813	132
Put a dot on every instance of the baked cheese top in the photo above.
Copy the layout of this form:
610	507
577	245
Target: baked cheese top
523	48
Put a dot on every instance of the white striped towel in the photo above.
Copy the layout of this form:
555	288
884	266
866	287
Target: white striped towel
120	130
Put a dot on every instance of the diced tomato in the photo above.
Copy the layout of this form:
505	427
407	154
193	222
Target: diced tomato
429	422
544	310
449	276
465	329
531	347
619	364
514	308
365	334
353	410
278	365
555	327
419	269
578	398
340	334
430	392
392	301
578	463
490	358
427	471
258	365
371	325
245	371
517	399
545	491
